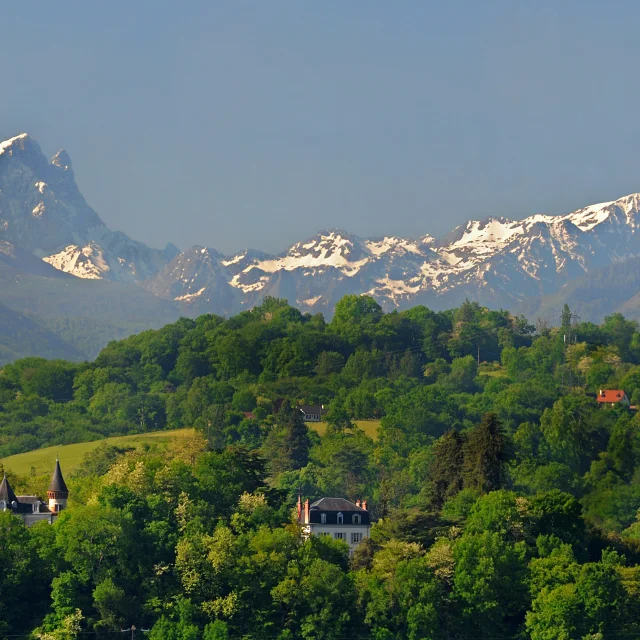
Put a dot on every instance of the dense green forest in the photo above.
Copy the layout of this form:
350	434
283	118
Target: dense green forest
506	500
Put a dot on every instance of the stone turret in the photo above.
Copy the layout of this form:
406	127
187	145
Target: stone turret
58	492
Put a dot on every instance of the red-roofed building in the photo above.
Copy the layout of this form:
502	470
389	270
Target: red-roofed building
612	397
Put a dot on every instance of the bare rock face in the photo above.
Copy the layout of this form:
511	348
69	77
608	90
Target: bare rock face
43	211
198	282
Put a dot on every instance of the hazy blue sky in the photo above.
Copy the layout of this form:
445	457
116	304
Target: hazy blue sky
237	124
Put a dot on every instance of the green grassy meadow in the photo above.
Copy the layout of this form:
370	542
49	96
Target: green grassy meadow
71	455
370	427
493	370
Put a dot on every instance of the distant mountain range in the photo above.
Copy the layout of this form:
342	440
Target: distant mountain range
84	284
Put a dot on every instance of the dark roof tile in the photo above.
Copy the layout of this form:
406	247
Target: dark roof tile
335	504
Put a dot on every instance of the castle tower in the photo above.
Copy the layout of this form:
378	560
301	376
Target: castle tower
7	497
58	492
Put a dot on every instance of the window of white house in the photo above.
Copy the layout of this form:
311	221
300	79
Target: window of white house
339	535
356	538
36	507
3	505
340	518
323	518
356	519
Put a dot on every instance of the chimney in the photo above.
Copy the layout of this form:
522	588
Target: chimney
601	392
364	505
306	511
299	507
357	503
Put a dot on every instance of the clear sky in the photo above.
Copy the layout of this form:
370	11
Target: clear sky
236	123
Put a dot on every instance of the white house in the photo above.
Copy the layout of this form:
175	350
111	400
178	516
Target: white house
336	517
312	412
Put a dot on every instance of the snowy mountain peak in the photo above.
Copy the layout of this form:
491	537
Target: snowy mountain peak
43	211
590	217
495	260
62	160
84	262
7	145
378	247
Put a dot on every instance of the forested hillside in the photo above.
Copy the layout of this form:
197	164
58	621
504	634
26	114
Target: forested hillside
505	497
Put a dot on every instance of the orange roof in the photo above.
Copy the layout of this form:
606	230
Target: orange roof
611	395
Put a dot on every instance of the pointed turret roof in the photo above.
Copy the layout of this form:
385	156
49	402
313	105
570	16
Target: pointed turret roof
6	492
57	481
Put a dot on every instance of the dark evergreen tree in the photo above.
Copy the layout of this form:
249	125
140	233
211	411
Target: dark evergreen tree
287	445
446	469
485	455
296	436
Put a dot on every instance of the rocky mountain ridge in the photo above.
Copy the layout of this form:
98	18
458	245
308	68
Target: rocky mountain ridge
496	260
500	262
43	211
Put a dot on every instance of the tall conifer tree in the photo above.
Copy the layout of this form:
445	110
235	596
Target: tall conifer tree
446	469
485	455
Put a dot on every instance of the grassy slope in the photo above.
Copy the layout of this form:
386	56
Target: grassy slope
71	455
370	427
493	370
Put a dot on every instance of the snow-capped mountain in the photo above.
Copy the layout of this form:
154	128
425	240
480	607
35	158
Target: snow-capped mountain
198	282
43	211
497	261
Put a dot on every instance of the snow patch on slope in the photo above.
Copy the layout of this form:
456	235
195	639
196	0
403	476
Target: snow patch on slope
83	262
332	250
38	210
7	144
190	296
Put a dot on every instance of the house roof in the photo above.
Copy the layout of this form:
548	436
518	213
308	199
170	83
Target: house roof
312	408
25	505
57	481
6	492
335	504
338	511
611	395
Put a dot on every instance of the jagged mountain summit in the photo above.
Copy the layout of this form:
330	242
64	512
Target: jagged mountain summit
497	261
42	210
